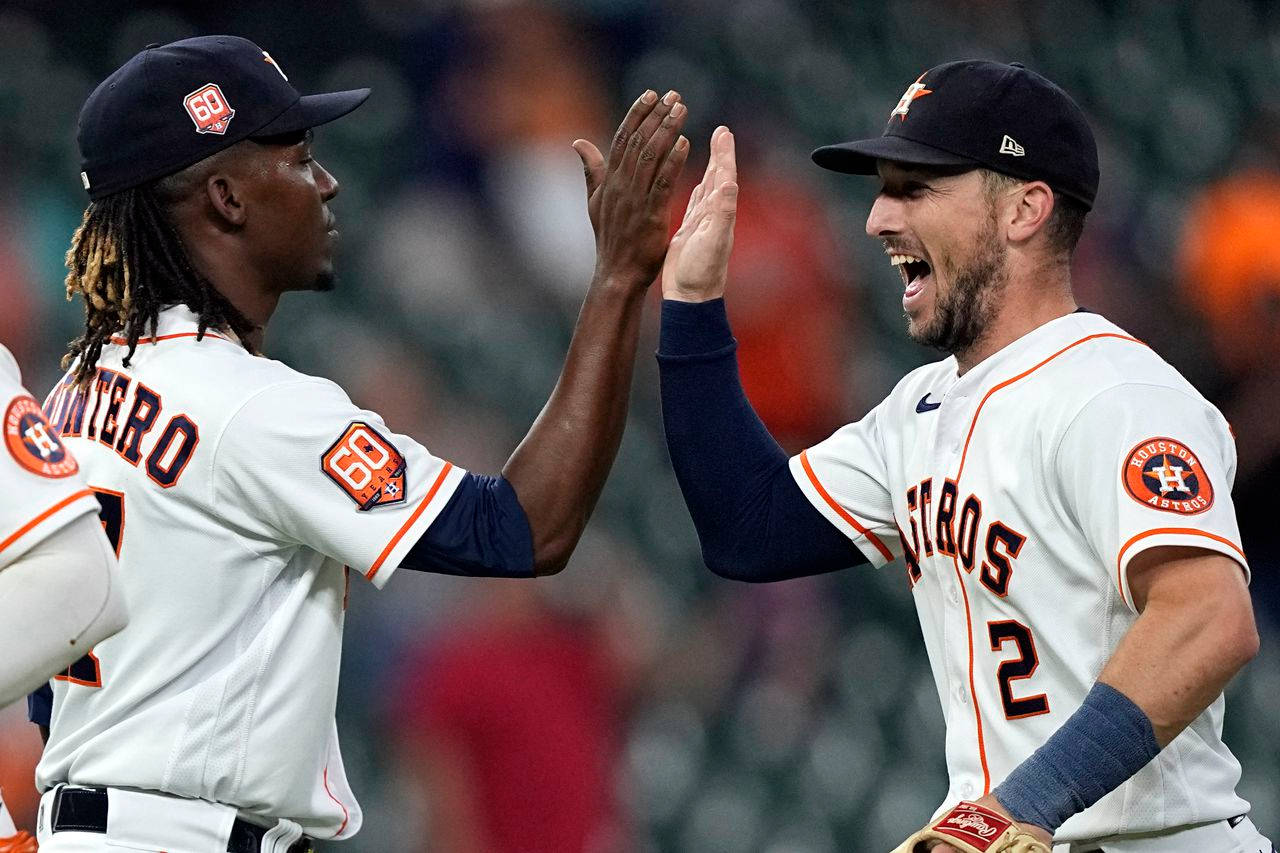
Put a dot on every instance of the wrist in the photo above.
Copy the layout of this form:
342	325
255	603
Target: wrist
620	282
694	329
681	294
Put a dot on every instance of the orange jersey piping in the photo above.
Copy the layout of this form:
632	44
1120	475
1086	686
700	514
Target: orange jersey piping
840	511
26	528
973	688
124	341
345	816
431	493
1190	531
974	423
968	618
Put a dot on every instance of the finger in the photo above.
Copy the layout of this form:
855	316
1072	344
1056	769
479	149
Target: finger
659	147
711	153
728	156
664	182
638	143
704	188
726	168
637	114
593	166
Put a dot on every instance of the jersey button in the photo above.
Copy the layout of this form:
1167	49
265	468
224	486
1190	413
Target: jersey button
962	695
967	790
953	595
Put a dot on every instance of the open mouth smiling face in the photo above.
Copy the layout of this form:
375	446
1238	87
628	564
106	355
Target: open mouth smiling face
916	274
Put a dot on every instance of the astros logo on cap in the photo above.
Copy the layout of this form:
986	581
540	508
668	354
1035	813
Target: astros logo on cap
209	109
915	90
1164	474
33	443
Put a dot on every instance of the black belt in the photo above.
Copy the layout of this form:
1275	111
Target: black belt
85	810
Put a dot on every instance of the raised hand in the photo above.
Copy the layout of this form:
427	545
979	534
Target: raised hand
697	263
628	197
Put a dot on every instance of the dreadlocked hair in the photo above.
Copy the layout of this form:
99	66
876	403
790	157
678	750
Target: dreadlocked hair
128	262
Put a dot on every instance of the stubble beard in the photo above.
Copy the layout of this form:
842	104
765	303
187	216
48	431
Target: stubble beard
963	312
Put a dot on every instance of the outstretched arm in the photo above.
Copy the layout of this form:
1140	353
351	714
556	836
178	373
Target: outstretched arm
559	468
753	521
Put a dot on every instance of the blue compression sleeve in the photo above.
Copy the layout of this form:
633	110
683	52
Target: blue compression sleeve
1101	745
40	705
753	521
482	532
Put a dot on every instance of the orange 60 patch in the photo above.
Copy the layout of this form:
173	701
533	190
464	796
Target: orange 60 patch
1164	474
366	466
34	443
209	109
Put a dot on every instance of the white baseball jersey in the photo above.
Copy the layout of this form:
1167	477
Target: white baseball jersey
39	479
239	494
1015	497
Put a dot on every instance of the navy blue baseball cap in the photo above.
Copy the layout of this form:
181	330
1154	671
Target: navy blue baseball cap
174	105
975	114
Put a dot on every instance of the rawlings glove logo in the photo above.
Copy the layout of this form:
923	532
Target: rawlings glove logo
973	822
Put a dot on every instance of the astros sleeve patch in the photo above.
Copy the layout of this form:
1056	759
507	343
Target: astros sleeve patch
1162	473
366	466
33	443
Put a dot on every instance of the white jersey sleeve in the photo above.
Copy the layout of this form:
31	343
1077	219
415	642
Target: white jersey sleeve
846	478
1149	465
300	463
40	480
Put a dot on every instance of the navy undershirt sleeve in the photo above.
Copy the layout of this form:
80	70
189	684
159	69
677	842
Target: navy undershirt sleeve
40	705
753	521
481	532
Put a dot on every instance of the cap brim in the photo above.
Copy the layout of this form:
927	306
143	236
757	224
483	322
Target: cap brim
859	157
313	110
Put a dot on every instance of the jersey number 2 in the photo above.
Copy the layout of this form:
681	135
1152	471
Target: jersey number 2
1023	666
87	671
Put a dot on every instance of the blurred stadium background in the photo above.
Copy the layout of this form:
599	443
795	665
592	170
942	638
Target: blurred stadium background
636	702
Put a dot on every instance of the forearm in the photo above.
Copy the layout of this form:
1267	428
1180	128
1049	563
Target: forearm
753	521
561	465
1178	657
56	602
1194	632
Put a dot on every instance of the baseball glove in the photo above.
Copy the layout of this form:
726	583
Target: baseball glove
20	843
974	829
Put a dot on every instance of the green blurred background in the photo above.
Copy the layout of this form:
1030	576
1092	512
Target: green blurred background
636	702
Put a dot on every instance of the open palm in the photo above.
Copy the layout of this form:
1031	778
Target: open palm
697	262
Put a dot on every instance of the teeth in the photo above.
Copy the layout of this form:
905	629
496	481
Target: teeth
899	260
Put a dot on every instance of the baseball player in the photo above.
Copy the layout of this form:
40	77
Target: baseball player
1056	497
242	495
59	591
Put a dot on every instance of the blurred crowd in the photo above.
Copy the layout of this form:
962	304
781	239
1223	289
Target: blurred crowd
636	702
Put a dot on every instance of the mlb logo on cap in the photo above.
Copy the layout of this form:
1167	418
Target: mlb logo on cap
209	109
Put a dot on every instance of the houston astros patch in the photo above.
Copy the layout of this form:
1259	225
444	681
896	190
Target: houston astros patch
1164	474
34	443
366	466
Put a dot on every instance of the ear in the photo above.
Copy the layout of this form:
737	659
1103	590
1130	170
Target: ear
226	197
1031	209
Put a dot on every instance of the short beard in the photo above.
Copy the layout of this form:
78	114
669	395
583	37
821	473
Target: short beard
961	314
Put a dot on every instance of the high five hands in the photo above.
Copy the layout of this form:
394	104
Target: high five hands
697	262
628	197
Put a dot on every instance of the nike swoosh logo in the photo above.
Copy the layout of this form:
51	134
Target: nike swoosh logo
925	406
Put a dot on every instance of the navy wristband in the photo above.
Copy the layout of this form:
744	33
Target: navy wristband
1098	748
